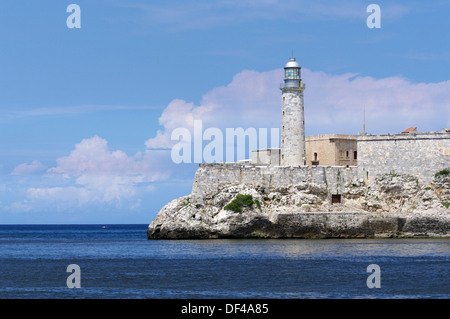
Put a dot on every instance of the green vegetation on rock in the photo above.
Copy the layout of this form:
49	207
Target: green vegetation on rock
240	201
442	173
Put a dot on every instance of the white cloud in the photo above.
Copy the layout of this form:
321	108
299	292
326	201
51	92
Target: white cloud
429	56
88	190
95	174
92	157
19	207
26	169
333	104
14	113
251	99
392	104
205	14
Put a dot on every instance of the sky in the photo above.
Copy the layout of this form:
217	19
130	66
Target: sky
86	114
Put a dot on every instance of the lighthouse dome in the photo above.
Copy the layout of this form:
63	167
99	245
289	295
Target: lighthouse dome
292	63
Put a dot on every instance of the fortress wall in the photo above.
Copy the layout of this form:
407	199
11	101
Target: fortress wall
418	154
209	177
421	155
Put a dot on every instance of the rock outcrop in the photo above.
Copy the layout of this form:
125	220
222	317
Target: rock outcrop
388	206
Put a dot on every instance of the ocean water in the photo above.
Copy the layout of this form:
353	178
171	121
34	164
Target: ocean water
119	262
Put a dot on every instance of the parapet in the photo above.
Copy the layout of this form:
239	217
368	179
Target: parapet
269	156
444	134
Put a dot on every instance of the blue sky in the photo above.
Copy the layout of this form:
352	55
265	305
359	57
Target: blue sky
86	114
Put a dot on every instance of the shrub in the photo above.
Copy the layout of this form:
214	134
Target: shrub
442	173
393	174
240	201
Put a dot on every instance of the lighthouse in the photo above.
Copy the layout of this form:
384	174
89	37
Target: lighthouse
293	117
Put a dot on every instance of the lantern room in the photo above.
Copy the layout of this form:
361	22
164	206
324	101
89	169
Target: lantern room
292	74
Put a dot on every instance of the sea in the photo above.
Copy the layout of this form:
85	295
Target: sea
119	262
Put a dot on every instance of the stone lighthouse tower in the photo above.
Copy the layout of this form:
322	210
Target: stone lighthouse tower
292	118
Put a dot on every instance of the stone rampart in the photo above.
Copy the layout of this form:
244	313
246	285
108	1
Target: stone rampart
210	176
417	154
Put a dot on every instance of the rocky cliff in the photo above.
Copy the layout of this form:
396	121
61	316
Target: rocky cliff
388	206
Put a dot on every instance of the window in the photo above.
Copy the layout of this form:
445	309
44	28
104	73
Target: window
335	199
347	154
292	74
315	161
355	155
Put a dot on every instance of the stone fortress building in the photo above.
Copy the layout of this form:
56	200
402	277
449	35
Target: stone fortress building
331	160
319	186
332	150
410	152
